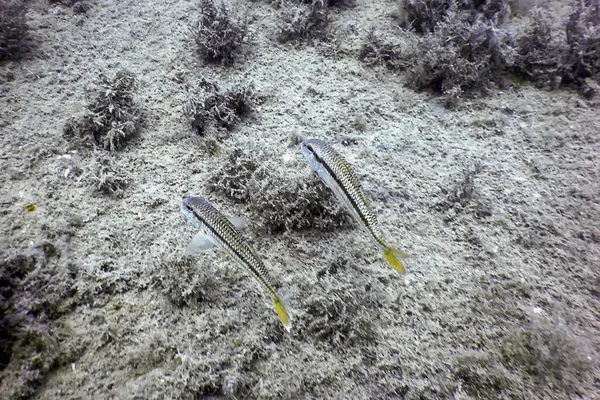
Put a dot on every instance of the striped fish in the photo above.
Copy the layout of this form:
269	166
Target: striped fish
216	230
337	174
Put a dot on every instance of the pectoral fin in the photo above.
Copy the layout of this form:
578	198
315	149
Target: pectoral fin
240	223
199	244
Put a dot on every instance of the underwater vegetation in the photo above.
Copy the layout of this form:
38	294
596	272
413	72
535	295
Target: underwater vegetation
212	108
466	48
102	128
237	179
30	342
111	119
218	34
78	6
13	28
303	21
355	322
182	283
291	205
277	203
106	176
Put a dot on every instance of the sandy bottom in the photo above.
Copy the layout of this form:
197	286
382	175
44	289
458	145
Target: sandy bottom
497	202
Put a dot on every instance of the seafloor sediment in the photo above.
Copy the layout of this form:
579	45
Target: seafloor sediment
494	195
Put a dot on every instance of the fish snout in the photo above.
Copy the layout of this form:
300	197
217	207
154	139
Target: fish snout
308	153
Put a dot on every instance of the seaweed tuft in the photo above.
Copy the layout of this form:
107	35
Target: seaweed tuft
424	15
340	318
107	177
236	180
217	34
303	21
212	107
465	49
583	41
538	50
13	28
376	51
111	119
297	205
461	58
182	282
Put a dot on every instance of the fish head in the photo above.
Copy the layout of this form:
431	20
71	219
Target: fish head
188	209
309	149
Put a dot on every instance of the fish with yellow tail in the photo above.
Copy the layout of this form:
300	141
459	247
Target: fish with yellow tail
216	230
337	174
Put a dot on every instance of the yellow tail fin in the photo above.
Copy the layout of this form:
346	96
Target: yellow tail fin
393	256
284	316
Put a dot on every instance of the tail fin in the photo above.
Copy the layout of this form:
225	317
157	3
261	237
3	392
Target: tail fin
393	256
284	316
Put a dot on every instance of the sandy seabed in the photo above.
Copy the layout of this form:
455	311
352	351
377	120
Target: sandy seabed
501	298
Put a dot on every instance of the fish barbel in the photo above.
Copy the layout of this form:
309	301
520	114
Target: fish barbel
337	174
216	230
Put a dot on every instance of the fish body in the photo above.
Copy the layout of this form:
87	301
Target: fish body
216	230
336	173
